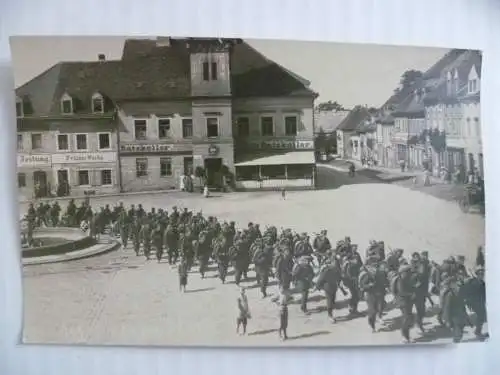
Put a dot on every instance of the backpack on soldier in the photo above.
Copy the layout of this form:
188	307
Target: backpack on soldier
393	283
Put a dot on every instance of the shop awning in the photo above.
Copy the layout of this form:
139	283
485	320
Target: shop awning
296	157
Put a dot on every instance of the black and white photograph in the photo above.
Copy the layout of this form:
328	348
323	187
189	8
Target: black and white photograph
227	192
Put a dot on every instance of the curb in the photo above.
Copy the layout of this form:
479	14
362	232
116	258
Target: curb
68	257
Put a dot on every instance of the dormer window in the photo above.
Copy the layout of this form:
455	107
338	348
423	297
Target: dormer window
19	108
67	104
97	103
473	81
472	86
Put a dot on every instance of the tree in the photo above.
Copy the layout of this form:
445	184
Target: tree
331	143
320	142
200	173
409	77
329	106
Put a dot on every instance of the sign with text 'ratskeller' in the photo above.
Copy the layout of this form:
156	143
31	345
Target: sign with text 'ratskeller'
145	148
33	160
84	157
281	144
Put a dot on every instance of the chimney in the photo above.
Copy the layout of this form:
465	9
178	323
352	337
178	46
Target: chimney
101	57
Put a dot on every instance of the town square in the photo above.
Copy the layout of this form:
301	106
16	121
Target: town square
192	191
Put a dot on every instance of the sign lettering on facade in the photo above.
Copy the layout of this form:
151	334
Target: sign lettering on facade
281	144
40	160
84	157
153	148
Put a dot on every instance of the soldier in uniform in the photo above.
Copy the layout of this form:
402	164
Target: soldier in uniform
243	311
124	225
182	269
329	280
303	275
475	295
158	241
480	257
405	294
283	313
136	235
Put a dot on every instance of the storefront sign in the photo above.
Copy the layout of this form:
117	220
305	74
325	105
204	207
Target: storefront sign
281	144
153	148
84	157
25	160
213	150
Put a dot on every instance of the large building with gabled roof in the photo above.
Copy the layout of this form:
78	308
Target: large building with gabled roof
168	107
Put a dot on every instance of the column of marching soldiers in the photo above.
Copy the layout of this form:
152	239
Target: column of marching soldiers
187	238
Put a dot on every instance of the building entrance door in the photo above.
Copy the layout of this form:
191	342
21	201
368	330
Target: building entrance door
213	169
62	183
40	183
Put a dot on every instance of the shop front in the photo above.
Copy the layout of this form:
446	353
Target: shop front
155	166
85	173
276	164
34	176
215	161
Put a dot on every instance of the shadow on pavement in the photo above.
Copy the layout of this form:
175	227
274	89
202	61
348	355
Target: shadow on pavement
307	335
262	332
199	290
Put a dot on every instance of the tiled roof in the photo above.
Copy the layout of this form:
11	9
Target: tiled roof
151	72
328	120
353	120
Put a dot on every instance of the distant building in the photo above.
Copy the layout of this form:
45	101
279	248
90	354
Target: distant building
328	121
349	142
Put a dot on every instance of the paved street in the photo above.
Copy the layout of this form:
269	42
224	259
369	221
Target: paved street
120	298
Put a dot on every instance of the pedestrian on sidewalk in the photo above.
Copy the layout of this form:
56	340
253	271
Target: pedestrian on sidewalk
243	312
283	193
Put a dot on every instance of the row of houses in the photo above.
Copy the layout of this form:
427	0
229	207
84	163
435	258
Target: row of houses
434	123
168	107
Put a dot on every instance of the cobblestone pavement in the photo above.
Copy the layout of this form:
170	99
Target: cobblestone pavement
119	298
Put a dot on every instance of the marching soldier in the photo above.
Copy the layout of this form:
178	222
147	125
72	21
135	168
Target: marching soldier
405	294
303	275
158	242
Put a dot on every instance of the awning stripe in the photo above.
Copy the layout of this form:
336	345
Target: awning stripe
297	157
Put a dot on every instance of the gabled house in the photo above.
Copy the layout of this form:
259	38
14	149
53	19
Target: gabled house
453	108
348	139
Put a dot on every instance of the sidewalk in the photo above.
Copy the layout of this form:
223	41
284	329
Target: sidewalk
97	249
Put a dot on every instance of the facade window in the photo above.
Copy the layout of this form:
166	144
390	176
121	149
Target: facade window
209	71
67	106
140	130
243	124
62	142
163	128
20	145
98	104
267	126
21	180
81	142
36	141
187	128
291	125
212	127
165	167
83	178
206	71
478	127
19	109
141	167
104	141
106	178
213	71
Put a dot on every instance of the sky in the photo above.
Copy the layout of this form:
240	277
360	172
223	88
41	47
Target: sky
350	74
